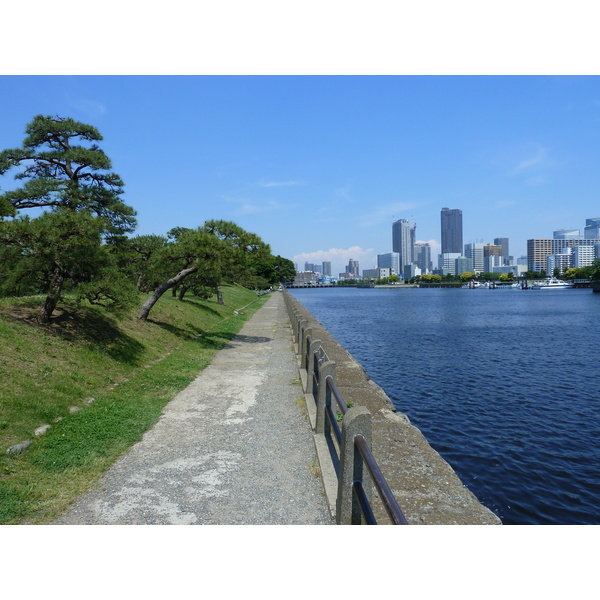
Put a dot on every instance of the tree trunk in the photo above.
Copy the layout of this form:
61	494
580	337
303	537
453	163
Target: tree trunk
56	286
219	296
182	291
161	289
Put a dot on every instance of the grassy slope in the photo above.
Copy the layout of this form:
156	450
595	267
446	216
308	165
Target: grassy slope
130	369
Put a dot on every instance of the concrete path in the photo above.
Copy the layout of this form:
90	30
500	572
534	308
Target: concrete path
232	448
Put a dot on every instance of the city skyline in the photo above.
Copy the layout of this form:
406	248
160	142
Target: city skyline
320	167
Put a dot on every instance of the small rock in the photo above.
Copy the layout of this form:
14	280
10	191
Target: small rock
74	409
18	448
90	400
41	430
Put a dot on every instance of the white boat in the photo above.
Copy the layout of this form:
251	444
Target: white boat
552	283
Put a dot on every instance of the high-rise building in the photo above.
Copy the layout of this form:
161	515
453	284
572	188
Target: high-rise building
422	257
474	251
505	252
592	229
582	256
326	269
391	260
560	261
447	262
402	241
463	264
567	234
352	268
539	249
452	231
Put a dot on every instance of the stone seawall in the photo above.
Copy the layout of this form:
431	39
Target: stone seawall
424	484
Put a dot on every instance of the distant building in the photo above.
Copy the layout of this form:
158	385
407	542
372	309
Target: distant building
561	261
402	241
463	265
516	270
352	269
537	252
505	252
492	257
474	251
582	256
376	273
411	271
391	260
592	229
447	262
566	234
326	269
539	249
422	257
451	230
306	278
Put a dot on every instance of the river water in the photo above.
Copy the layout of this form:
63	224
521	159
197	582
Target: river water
504	384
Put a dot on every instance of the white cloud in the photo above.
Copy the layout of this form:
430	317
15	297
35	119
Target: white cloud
269	184
436	248
249	206
538	158
91	108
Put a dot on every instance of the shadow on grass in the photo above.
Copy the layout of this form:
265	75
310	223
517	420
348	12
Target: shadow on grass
203	307
190	331
82	326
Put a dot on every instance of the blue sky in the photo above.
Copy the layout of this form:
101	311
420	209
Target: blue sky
320	166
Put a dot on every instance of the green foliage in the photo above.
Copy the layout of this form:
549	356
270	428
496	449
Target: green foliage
58	172
62	248
594	272
467	276
431	278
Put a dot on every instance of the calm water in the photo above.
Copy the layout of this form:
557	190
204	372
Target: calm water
504	384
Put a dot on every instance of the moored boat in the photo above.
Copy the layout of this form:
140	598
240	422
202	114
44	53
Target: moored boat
552	283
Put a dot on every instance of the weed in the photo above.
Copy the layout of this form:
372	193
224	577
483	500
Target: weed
315	469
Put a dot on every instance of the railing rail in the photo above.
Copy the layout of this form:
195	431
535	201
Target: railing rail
352	440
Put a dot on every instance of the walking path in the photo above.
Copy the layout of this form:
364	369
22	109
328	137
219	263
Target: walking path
232	448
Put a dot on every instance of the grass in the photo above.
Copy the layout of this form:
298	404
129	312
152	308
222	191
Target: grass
130	369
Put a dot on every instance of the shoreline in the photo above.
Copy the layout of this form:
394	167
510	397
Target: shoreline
424	484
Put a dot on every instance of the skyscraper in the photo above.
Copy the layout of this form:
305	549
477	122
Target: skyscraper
422	257
391	261
504	243
401	242
452	232
592	229
474	251
326	268
352	268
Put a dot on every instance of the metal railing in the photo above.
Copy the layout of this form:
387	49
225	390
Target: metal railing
350	453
